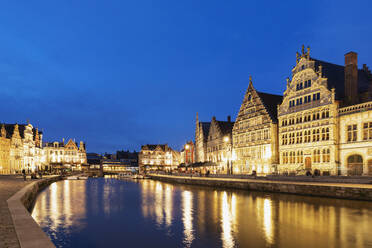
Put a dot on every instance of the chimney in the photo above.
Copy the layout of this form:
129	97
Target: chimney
351	78
229	118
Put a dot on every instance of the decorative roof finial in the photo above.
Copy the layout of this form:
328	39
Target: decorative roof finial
297	57
287	81
250	79
320	70
303	49
308	52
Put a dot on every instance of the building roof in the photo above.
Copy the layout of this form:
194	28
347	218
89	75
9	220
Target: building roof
21	127
225	127
153	147
205	126
271	103
336	78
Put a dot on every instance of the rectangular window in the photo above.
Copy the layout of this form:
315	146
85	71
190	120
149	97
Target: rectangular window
367	131
352	132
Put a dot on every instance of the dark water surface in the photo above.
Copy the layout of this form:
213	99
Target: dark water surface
124	213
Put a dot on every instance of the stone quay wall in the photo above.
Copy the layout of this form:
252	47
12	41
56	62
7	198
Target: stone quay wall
333	190
29	233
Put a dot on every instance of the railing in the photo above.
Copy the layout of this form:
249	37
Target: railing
355	108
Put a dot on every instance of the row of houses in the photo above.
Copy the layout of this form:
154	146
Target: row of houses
322	123
22	148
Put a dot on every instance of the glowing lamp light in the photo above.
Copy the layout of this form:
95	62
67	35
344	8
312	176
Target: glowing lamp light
187	146
226	139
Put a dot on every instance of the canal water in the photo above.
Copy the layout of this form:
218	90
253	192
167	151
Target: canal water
108	212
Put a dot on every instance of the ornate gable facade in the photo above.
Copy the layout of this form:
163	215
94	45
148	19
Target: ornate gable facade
308	120
219	144
255	141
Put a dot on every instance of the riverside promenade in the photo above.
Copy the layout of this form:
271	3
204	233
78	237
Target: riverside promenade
9	185
342	188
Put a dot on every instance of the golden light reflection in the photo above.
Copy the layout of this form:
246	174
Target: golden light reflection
159	203
268	223
228	213
62	204
187	218
168	205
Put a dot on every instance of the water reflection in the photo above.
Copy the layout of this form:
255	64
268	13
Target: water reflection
187	218
151	213
61	206
227	220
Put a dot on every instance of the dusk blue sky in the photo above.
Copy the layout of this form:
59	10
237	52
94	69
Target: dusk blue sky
118	74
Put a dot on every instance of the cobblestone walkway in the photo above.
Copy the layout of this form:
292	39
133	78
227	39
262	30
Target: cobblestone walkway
9	185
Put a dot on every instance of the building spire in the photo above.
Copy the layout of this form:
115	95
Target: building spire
197	117
250	80
308	52
3	131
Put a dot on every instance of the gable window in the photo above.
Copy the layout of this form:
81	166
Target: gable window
316	97
307	84
299	86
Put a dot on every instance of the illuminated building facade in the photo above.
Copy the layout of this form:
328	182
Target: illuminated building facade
201	138
61	155
255	133
158	157
219	144
20	148
318	127
355	148
188	153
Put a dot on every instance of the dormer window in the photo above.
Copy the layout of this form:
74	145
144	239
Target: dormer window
302	67
249	97
307	84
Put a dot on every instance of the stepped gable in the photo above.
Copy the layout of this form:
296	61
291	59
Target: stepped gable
336	78
152	147
271	103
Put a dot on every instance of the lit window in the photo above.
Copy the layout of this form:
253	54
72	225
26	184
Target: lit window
352	132
367	131
326	155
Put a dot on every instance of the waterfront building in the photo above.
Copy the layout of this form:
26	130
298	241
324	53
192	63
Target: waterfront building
317	121
355	149
201	138
20	148
116	166
219	145
4	152
158	157
187	154
255	133
59	155
130	158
